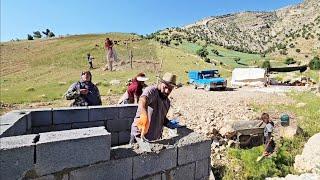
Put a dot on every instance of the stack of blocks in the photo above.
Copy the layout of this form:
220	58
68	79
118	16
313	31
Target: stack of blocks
88	143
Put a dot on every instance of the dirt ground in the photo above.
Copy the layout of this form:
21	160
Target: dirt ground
206	112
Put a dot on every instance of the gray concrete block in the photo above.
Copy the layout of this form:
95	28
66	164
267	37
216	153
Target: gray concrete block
61	127
72	148
127	110
202	168
119	125
12	117
41	117
102	113
193	147
112	170
152	163
41	129
70	115
87	124
114	138
18	125
124	137
180	173
16	156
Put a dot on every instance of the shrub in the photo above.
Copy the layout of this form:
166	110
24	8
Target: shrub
202	52
266	64
37	34
207	60
289	61
30	37
314	64
236	59
298	50
214	51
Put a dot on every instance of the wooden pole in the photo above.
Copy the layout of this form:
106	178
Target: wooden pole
131	56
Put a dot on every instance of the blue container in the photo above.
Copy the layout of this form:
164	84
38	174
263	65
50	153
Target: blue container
284	120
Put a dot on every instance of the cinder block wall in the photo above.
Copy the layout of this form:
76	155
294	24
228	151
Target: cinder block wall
59	144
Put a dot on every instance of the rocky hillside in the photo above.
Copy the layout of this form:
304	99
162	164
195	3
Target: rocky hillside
293	30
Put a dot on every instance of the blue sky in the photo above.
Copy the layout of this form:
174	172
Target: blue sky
22	17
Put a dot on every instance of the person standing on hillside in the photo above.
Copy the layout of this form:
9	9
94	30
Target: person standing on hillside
110	54
90	59
152	109
84	92
134	91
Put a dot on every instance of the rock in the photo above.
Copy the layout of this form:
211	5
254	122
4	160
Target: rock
300	105
227	131
115	82
309	160
289	131
231	143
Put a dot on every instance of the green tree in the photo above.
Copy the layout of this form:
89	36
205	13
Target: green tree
214	51
289	61
30	37
266	64
37	34
51	34
202	52
314	64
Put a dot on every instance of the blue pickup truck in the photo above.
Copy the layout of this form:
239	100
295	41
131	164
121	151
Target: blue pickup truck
207	79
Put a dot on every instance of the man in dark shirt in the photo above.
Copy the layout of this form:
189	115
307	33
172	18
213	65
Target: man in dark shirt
84	92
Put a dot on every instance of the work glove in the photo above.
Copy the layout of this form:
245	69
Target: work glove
143	125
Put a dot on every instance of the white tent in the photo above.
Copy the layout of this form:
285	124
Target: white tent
248	77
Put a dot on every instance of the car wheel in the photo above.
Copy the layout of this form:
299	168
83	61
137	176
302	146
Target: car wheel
207	88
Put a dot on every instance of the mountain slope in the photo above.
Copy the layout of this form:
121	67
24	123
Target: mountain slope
293	30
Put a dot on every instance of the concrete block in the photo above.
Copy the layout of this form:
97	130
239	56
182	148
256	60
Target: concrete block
202	168
127	110
18	125
193	147
87	124
70	115
41	117
119	125
114	138
16	156
124	137
72	148
112	170
102	113
180	173
11	117
61	127
152	163
41	129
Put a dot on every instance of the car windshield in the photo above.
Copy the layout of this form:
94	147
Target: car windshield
210	75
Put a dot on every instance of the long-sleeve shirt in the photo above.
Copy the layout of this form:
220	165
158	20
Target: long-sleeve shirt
91	99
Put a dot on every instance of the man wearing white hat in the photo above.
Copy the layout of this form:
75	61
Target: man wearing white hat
134	91
153	107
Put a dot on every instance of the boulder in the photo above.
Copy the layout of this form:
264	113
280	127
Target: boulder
289	131
309	160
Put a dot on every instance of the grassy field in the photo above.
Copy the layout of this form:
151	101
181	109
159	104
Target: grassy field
42	70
